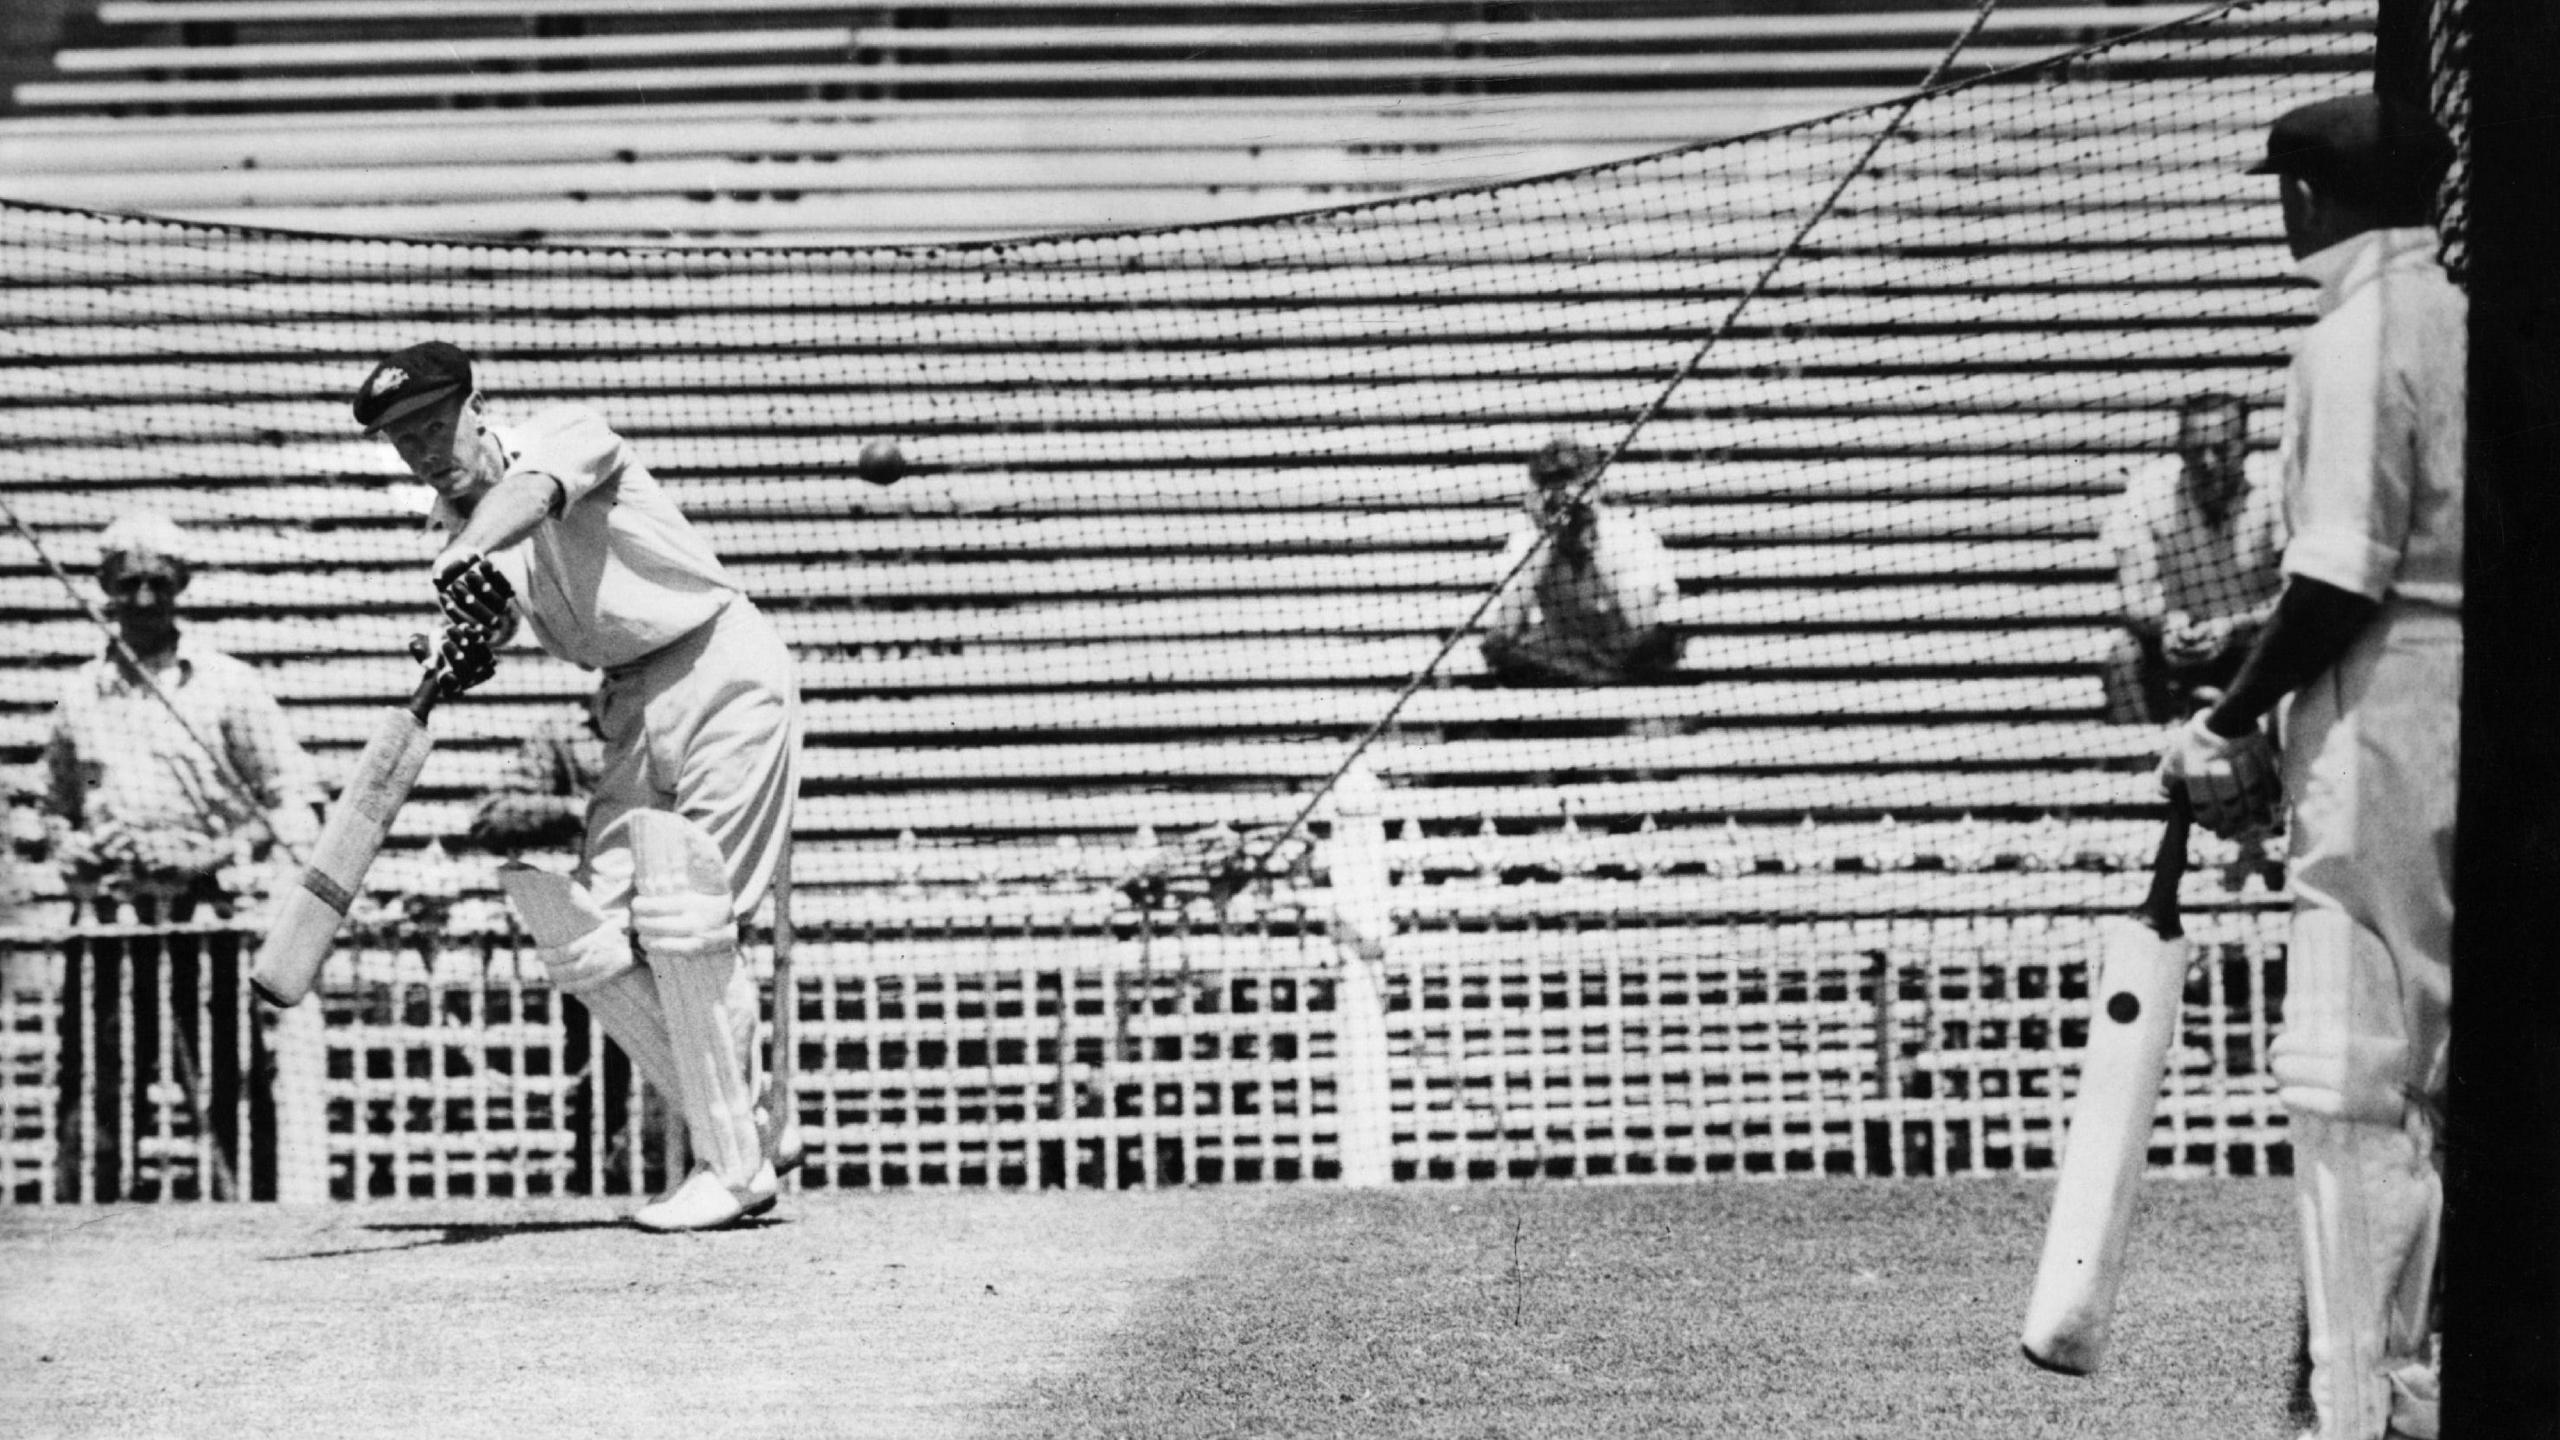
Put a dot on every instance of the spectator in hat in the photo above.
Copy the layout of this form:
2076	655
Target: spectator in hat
168	762
169	777
2365	647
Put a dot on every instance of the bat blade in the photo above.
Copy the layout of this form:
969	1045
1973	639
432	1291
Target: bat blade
303	928
2133	1020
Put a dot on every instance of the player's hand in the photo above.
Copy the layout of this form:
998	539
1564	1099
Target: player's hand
2231	782
463	659
472	593
682	927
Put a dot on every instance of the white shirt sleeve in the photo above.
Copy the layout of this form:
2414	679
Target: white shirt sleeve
2351	466
573	445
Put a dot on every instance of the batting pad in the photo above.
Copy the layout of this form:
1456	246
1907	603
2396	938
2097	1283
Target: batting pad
676	859
557	912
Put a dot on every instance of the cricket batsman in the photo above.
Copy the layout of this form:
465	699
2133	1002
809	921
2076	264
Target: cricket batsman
2365	650
557	524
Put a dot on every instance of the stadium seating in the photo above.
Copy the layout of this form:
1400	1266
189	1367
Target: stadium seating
972	120
1106	611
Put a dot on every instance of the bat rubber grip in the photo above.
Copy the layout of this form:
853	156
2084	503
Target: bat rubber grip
327	890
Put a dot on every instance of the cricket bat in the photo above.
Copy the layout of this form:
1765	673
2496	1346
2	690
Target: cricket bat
2133	1019
303	927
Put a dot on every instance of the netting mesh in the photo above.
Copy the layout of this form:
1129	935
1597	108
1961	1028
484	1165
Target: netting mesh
1188	510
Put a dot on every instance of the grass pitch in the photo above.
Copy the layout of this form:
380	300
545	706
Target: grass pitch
1783	1309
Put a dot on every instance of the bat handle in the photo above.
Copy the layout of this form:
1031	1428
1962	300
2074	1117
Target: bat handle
422	700
2159	908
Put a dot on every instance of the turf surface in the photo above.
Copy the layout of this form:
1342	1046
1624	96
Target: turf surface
1807	1308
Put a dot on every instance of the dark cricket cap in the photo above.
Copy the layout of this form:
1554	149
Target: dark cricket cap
411	379
2367	146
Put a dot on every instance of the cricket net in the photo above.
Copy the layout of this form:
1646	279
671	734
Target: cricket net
1196	521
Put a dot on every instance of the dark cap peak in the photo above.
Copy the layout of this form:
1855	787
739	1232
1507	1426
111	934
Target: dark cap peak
409	380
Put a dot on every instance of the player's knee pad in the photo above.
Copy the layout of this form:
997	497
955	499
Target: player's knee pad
577	942
2344	1053
680	906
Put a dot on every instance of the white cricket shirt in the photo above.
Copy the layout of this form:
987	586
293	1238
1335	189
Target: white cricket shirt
2374	423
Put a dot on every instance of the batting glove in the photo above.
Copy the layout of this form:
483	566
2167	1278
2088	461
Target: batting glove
472	593
2231	782
463	659
683	927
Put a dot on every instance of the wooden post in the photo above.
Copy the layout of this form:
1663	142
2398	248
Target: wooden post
1362	924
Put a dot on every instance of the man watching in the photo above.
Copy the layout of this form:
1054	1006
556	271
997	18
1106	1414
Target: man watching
169	777
1589	610
2195	547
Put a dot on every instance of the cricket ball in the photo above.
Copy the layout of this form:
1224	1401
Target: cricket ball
881	462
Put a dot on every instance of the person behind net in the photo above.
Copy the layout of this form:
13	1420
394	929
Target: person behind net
2195	554
168	777
556	522
1591	608
2365	649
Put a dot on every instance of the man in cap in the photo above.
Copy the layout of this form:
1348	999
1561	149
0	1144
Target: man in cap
168	777
2365	645
556	522
1589	610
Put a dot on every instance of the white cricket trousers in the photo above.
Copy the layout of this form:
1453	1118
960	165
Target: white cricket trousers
709	728
2371	755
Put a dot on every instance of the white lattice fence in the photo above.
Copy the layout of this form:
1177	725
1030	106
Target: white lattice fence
1878	1047
1069	1040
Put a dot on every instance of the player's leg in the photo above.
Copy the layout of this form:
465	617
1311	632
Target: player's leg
587	952
2370	764
682	916
627	996
720	742
737	776
600	966
2366	1190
